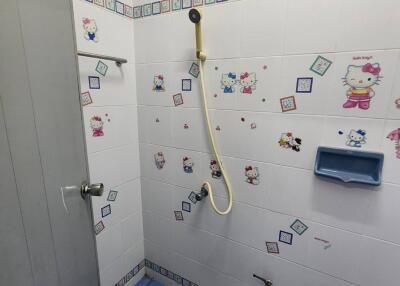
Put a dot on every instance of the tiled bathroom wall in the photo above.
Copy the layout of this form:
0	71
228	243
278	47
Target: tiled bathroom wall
286	225
110	118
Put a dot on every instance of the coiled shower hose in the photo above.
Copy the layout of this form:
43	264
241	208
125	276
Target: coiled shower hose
214	148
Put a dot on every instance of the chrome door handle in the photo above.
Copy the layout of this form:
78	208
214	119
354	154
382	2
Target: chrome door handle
92	189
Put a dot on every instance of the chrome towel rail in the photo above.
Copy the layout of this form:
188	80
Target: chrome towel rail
118	61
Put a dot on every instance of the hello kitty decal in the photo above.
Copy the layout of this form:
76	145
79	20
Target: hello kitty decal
90	27
228	82
356	138
252	175
187	165
395	137
159	160
96	123
397	103
361	79
215	169
248	82
288	141
158	83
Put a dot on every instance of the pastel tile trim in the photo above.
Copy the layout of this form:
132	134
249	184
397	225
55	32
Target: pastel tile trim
167	273
117	7
166	6
132	273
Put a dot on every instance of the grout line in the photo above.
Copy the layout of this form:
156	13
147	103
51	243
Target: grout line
272	56
265	112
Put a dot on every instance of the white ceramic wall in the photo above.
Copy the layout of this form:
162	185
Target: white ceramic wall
114	157
286	36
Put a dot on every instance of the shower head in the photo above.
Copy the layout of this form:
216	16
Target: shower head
195	18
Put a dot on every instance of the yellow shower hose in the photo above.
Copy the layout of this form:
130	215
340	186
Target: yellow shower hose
212	140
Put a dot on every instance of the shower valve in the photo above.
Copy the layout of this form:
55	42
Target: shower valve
202	194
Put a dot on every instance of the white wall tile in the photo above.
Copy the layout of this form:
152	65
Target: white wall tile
355	29
262	28
311	26
221	30
114	166
109	246
381	262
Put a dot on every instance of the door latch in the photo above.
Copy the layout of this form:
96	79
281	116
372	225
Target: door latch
92	189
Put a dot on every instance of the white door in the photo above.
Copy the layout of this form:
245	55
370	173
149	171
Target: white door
42	149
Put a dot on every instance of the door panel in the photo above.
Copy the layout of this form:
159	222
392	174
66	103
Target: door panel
12	239
39	87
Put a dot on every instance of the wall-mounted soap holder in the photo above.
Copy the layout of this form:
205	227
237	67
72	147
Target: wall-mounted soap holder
349	166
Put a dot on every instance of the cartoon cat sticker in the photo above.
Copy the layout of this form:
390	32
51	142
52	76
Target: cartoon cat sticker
361	79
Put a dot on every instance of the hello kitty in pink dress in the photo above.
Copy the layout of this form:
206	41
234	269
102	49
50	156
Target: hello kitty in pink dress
361	79
248	82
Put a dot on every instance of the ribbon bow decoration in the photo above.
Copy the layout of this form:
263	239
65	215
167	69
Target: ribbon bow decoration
232	75
85	21
371	69
244	75
361	132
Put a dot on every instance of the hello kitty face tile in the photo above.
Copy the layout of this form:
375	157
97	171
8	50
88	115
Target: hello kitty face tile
391	149
294	67
367	80
258	82
221	79
353	133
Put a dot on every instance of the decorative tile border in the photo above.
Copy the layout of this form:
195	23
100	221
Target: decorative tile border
167	273
151	8
166	6
132	273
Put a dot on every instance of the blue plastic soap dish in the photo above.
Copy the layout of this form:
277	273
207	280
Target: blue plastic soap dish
349	166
